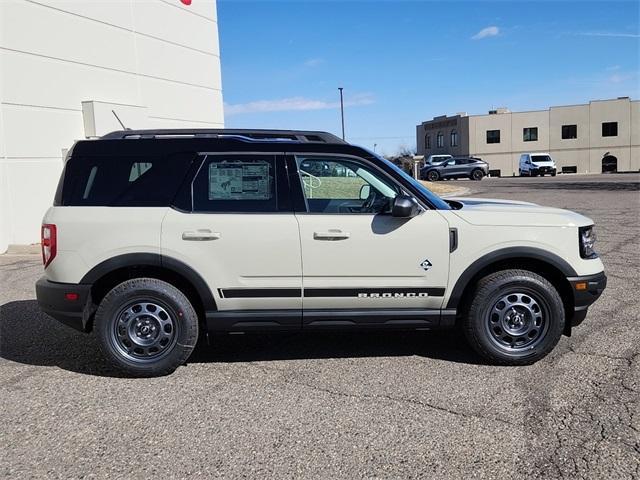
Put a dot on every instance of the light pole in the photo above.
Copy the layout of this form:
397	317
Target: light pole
374	147
341	111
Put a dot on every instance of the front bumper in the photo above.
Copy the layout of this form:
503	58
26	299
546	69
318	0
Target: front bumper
545	170
586	290
68	303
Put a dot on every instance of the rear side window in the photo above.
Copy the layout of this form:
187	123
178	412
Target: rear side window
123	181
236	183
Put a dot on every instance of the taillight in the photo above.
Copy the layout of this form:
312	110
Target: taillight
49	242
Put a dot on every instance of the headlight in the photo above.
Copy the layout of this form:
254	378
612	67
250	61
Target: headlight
587	237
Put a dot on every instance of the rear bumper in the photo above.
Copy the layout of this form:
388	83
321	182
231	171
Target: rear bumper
53	300
586	290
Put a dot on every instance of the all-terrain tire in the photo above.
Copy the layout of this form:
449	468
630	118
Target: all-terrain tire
514	297
146	327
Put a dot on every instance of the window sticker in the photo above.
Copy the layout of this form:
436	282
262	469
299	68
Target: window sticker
239	181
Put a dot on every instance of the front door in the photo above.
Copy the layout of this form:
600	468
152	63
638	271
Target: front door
358	258
242	238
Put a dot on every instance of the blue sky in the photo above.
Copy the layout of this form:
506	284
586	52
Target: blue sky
403	62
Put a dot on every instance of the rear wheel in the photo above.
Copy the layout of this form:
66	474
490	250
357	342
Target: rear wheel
146	327
516	318
477	174
433	176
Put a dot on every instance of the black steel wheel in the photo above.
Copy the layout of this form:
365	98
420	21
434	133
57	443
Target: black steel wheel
146	327
517	321
433	176
145	331
516	317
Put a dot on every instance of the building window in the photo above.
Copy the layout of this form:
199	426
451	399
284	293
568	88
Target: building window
569	131
493	136
454	138
440	140
427	141
610	129
530	134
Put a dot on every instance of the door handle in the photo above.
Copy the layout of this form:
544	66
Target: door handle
331	235
200	235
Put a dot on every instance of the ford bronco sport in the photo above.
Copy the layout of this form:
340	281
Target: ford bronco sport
159	238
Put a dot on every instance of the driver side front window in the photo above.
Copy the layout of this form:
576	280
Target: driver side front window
338	186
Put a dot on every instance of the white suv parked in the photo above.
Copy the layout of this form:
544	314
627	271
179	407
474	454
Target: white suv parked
533	164
159	238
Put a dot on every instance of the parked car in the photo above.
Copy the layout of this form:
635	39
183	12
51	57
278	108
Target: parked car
458	167
158	238
437	159
534	164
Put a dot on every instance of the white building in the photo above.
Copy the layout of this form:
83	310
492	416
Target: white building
66	64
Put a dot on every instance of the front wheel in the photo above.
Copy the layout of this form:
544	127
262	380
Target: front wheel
477	175
516	318
433	176
146	327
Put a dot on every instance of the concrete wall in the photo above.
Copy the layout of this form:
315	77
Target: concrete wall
157	58
575	151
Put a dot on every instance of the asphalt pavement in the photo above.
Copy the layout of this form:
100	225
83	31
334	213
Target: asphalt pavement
392	405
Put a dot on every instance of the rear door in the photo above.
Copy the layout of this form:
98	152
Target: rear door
241	236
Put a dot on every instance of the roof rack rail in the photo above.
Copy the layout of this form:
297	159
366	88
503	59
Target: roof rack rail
243	134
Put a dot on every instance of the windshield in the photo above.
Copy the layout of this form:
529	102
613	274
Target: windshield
435	200
541	158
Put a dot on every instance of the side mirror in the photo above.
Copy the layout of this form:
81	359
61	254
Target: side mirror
365	191
404	206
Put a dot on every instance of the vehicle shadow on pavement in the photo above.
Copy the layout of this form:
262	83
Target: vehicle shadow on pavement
30	337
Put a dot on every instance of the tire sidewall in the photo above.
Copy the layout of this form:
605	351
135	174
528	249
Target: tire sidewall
169	297
495	287
433	176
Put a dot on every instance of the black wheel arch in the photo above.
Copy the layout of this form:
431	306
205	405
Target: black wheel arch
106	275
551	266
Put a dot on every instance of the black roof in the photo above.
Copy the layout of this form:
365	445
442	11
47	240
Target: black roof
169	141
242	134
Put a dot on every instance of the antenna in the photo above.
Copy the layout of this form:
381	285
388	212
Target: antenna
119	121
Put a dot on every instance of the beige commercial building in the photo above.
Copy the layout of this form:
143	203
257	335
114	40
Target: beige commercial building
603	135
67	68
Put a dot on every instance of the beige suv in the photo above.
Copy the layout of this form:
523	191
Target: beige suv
157	239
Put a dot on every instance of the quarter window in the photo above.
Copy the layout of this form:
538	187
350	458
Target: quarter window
123	181
454	138
569	131
440	140
238	183
493	136
610	129
530	134
344	186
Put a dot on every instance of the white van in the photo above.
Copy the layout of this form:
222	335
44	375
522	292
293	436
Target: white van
533	164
